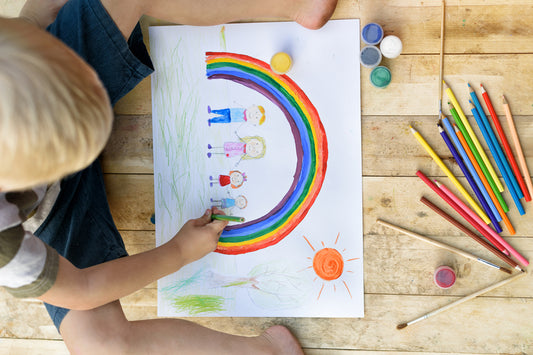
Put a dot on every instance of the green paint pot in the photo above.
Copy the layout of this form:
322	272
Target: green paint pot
380	77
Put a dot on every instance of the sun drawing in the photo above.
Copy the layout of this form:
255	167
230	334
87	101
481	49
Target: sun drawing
329	266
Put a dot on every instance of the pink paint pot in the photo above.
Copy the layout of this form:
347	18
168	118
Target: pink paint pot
444	277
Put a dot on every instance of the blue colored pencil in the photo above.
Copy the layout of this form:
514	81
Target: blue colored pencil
451	133
494	140
506	178
459	161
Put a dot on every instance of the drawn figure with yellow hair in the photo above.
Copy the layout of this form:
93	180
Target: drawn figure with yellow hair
253	114
251	147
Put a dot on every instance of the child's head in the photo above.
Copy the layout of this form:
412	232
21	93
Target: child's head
241	202
255	115
255	147
55	115
237	178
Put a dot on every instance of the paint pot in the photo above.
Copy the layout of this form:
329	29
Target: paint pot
380	77
444	277
370	56
391	47
281	63
372	34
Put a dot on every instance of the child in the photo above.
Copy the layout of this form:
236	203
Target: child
254	115
55	118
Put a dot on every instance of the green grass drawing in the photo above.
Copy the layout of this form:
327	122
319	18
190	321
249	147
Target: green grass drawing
198	304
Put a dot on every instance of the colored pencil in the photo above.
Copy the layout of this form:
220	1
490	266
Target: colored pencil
471	234
473	222
492	236
505	142
492	193
518	148
471	134
473	172
478	158
442	245
469	178
223	217
463	299
499	163
447	171
492	136
441	57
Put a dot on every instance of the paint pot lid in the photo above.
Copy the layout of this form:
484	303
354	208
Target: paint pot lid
281	63
444	277
372	33
391	47
380	77
370	56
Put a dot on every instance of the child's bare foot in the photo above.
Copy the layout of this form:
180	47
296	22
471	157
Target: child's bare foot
314	14
281	341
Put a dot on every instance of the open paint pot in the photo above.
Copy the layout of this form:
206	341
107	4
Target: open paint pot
380	77
370	56
444	277
372	34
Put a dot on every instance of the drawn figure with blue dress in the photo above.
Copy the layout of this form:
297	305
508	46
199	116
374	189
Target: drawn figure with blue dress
228	203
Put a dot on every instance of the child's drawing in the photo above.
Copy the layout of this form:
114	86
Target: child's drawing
235	179
254	115
227	203
310	119
247	148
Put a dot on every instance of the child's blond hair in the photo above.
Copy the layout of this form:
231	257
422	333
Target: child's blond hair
52	122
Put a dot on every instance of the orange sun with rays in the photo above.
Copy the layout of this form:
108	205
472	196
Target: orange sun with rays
328	264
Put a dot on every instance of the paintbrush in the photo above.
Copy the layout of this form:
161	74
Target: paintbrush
462	300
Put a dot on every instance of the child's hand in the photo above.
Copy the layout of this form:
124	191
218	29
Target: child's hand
198	237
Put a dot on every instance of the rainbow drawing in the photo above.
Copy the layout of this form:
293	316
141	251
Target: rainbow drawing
311	150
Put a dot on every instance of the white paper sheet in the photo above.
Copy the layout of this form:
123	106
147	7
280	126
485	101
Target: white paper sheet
301	195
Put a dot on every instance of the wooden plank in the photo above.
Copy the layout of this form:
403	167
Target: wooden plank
386	141
473	325
132	203
416	76
398	264
32	346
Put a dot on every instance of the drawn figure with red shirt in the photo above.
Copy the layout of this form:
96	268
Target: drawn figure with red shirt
235	178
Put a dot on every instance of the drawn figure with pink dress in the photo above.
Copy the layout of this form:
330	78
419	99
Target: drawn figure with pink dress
251	147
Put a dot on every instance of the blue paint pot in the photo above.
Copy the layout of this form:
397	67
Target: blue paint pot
372	34
370	56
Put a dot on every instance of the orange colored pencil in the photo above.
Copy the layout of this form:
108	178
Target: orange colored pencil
484	181
518	149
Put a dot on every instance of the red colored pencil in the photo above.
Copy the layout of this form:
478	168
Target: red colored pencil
503	138
463	214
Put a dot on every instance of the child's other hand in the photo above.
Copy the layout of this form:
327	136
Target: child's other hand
198	237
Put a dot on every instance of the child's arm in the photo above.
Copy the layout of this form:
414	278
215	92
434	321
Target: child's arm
83	289
41	12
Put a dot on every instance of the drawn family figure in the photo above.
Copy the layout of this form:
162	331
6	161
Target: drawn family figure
240	202
235	179
254	115
251	147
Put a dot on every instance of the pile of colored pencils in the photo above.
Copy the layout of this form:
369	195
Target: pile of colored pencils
488	207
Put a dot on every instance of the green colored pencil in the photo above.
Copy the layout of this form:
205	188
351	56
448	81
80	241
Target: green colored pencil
480	161
223	217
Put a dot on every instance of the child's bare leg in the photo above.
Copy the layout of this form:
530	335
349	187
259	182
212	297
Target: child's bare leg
41	12
312	14
105	330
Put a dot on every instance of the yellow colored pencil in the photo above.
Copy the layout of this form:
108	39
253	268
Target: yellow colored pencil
447	171
473	136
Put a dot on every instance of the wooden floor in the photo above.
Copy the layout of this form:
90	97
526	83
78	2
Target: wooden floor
487	41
